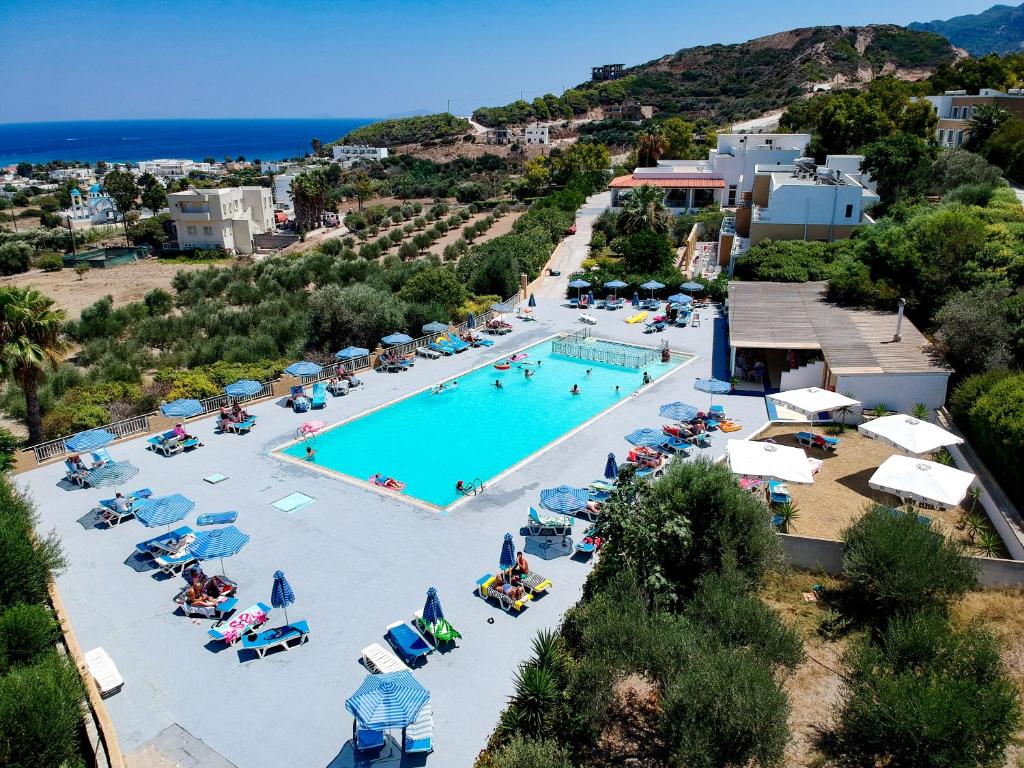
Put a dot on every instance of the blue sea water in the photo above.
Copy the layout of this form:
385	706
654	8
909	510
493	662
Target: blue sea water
134	140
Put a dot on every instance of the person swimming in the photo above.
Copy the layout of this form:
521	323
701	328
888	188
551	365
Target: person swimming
647	378
575	389
616	389
588	373
527	373
310	453
497	384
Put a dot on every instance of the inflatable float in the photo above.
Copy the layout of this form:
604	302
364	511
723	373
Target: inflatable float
502	366
517	357
386	482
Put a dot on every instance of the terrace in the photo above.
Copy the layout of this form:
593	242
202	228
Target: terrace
358	561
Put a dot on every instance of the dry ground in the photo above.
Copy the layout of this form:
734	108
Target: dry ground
840	491
501	227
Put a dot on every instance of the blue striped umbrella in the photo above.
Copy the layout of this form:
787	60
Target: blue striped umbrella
303	368
508	553
182	407
435	328
220	543
350	353
564	499
611	468
396	338
432	612
163	510
471	321
111	474
243	388
91	438
281	595
678	411
532	302
692	287
712	387
390	700
579	284
652	286
680	298
615	285
650	438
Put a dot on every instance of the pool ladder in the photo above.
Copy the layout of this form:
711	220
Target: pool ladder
475	487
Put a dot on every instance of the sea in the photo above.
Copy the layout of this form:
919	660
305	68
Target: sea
133	140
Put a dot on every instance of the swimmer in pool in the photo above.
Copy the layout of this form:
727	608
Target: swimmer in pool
575	389
310	453
527	373
588	373
497	384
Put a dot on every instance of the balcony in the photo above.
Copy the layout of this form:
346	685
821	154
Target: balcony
760	214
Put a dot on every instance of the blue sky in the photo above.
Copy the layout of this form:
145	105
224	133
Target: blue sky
108	59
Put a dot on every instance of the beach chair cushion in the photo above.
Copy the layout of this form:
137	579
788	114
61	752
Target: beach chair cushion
379	660
219	611
216	518
485	588
410	646
419	734
367	739
287	637
104	672
230	630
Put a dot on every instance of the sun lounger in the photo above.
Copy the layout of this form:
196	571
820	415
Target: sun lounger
166	543
602	485
703	440
172	564
588	545
639	317
419	734
75	475
220	611
778	492
486	589
366	739
287	637
104	672
574	303
441	631
556	525
455	342
820	441
654	327
716	412
242	427
379	660
477	341
319	399
676	445
439	349
217	518
534	583
588	319
430	354
166	443
729	426
230	630
410	646
102	456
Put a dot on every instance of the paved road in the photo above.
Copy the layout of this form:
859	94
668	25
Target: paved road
571	252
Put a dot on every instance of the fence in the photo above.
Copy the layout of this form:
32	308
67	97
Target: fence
124	428
215	403
579	345
330	371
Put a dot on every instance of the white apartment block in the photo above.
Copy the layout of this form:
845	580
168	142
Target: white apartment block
956	108
282	188
348	154
536	134
78	174
227	219
172	169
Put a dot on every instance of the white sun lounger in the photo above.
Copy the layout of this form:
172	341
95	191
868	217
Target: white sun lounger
588	319
379	660
104	672
419	734
428	353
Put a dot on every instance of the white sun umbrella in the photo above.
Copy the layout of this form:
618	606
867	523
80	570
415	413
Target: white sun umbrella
811	401
909	434
768	460
928	482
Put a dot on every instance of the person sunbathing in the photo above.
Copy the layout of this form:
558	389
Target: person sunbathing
386	482
76	461
239	413
522	567
593	507
198	596
511	590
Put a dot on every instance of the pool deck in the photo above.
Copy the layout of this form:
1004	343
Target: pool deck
357	560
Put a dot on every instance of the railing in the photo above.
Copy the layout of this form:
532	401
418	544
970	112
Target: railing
123	428
215	403
575	345
330	371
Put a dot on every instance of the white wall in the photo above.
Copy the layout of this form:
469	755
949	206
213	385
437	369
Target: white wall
900	391
811	375
814	203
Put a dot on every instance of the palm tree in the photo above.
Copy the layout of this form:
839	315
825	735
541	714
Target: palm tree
984	122
650	146
32	340
644	209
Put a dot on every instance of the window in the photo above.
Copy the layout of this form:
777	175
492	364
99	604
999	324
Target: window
959	138
191	229
849	210
732	196
207	231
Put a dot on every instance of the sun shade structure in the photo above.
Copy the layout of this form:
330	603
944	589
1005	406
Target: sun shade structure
692	287
651	438
712	387
680	298
90	439
504	307
435	328
281	594
350	353
303	368
813	400
579	284
652	285
678	411
923	481
432	612
163	510
183	408
390	700
768	460
611	467
508	553
471	320
111	474
243	388
564	499
909	434
218	543
532	302
397	338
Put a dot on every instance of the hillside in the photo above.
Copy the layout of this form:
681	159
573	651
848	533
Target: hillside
724	83
1000	29
408	130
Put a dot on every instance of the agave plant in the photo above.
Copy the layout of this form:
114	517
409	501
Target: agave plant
975	494
944	457
547	650
972	525
988	543
786	513
535	697
920	412
880	410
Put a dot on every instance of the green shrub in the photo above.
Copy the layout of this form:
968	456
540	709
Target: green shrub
9	445
895	565
40	714
50	262
26	559
725	709
525	753
14	257
158	302
26	632
926	695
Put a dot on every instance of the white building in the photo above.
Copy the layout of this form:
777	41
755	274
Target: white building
227	219
78	174
348	154
724	177
536	134
956	108
173	169
94	208
283	192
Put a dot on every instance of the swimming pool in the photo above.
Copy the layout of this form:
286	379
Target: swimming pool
476	430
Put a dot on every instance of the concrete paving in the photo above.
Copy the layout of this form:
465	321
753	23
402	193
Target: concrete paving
357	561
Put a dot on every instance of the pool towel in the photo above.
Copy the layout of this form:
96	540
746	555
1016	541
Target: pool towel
293	502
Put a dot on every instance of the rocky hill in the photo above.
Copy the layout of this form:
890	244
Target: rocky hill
1000	29
732	82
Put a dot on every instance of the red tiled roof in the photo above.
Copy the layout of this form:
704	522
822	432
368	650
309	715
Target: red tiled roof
628	182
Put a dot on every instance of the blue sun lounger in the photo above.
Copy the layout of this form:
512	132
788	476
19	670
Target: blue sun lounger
442	349
162	544
367	739
287	637
419	734
216	518
319	399
409	645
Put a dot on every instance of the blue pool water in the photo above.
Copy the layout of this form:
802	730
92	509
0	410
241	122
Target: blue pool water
431	441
